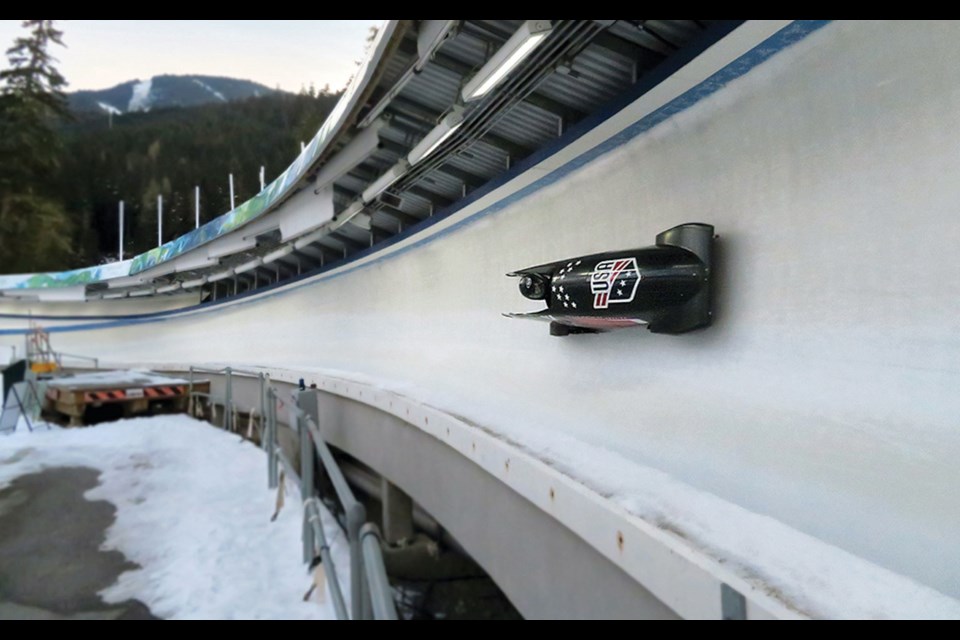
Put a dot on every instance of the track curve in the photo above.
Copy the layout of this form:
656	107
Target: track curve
823	397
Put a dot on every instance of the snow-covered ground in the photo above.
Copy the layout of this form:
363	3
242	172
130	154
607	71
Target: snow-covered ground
140	100
124	377
219	96
109	108
193	511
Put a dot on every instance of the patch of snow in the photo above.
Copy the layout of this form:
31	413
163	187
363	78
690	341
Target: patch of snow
140	100
109	108
202	536
216	93
123	377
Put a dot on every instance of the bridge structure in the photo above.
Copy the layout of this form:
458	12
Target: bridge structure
794	459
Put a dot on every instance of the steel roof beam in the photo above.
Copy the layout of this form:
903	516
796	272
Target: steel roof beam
435	199
428	116
397	214
471	180
625	48
485	32
343	238
568	113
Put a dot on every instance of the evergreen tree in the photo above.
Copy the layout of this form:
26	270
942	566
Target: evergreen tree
31	103
31	73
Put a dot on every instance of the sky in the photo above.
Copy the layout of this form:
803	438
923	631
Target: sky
286	53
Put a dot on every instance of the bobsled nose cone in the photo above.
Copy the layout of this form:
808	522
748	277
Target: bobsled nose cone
533	286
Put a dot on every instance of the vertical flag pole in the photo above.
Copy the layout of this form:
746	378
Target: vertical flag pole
159	220
121	231
233	203
196	205
262	176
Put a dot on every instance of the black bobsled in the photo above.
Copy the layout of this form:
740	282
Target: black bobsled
666	287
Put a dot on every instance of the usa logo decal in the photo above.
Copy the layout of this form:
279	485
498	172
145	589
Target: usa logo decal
614	281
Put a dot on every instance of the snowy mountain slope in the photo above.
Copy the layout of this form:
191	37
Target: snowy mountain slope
165	91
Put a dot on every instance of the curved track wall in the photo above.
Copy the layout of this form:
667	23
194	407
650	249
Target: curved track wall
823	397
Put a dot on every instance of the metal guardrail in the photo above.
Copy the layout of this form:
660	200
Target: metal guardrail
312	510
378	588
61	355
370	594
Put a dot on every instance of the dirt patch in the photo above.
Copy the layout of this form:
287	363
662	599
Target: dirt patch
51	565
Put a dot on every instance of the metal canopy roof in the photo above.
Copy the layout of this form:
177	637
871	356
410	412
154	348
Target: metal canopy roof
579	66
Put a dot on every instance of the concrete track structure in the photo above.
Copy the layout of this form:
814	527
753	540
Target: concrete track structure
804	441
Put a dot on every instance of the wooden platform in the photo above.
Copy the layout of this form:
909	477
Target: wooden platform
110	395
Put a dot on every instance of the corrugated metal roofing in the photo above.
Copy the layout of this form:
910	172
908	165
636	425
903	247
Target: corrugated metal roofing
580	66
527	125
433	87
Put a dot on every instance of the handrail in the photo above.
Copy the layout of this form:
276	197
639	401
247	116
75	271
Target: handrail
321	548
371	595
355	512
376	574
61	354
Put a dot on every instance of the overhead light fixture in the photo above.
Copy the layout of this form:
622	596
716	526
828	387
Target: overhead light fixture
169	288
190	284
380	184
345	216
277	254
362	220
437	136
310	238
248	266
223	275
530	34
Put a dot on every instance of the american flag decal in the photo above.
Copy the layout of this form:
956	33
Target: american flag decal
614	281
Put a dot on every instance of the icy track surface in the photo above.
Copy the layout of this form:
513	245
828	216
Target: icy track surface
193	511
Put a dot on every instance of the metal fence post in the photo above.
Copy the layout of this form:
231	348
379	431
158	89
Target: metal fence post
307	403
366	610
312	512
228	401
190	399
271	438
356	516
375	574
263	406
306	480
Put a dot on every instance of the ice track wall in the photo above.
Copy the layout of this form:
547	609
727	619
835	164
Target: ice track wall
825	395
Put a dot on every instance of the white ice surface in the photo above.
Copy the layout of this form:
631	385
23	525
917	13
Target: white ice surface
806	421
193	511
810	575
